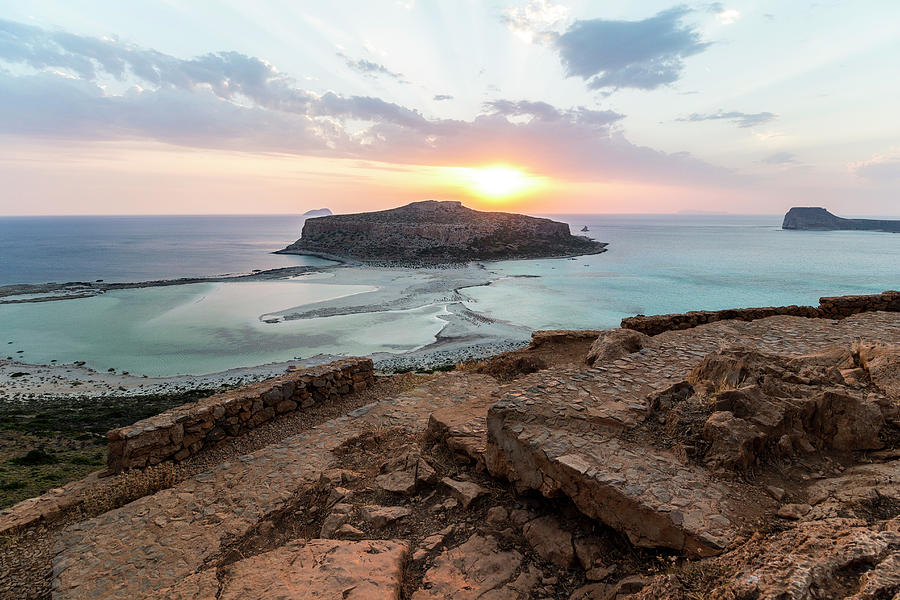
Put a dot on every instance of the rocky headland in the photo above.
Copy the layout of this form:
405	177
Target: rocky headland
432	232
753	455
819	219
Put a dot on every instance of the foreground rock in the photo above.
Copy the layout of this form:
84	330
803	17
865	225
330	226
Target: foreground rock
433	232
478	570
301	570
734	460
159	540
655	452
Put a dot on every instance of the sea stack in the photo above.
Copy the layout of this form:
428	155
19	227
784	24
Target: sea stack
433	232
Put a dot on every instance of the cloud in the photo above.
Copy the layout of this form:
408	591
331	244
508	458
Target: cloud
441	97
780	158
629	54
741	119
723	15
728	17
228	100
546	112
373	69
536	20
881	168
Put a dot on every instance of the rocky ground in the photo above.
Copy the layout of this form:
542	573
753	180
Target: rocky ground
734	460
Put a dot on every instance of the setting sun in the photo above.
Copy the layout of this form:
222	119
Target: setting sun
499	181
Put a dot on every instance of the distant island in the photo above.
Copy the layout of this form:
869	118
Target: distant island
433	232
318	212
819	219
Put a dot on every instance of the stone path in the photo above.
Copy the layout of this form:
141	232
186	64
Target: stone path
555	431
159	540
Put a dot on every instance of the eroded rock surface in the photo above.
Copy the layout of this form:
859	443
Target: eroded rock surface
157	541
650	442
733	460
365	570
477	570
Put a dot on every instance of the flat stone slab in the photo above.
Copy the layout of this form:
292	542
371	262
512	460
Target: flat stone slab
652	497
478	570
462	429
158	541
320	570
560	431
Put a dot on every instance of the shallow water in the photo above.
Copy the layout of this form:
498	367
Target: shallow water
654	264
205	328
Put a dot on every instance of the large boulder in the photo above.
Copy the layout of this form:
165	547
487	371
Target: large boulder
882	363
614	344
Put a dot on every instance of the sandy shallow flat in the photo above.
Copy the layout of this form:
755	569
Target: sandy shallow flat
402	318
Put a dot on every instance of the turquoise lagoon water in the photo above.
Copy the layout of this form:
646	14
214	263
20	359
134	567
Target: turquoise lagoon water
205	328
660	264
655	264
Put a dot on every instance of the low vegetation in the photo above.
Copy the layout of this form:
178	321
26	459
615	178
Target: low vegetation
46	443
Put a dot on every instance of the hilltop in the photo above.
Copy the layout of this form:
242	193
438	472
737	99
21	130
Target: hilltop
819	219
318	212
433	232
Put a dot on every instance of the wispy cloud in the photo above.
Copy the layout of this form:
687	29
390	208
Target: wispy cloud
370	68
228	100
442	97
780	158
630	54
725	16
741	119
881	168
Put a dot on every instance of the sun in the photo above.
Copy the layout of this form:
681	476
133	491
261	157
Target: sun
499	181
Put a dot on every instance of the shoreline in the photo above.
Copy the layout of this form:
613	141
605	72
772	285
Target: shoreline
601	247
87	289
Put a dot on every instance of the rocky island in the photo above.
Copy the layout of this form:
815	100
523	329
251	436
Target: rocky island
433	232
819	219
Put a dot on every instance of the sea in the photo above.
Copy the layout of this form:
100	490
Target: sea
654	264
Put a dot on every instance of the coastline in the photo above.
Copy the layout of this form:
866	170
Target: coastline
86	289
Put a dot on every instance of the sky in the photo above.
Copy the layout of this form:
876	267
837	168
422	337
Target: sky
537	106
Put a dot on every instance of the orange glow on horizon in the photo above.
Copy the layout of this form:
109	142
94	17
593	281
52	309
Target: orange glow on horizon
495	183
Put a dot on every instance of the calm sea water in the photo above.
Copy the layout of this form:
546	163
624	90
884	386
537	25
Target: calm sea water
60	249
655	264
658	264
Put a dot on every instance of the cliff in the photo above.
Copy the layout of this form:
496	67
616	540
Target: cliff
433	232
819	219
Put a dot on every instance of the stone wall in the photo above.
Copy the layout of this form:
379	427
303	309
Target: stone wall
835	307
183	431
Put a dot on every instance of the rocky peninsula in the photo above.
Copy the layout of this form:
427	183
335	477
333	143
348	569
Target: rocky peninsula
819	219
725	456
433	232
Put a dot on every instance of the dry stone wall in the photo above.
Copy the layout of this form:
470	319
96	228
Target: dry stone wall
183	431
836	307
